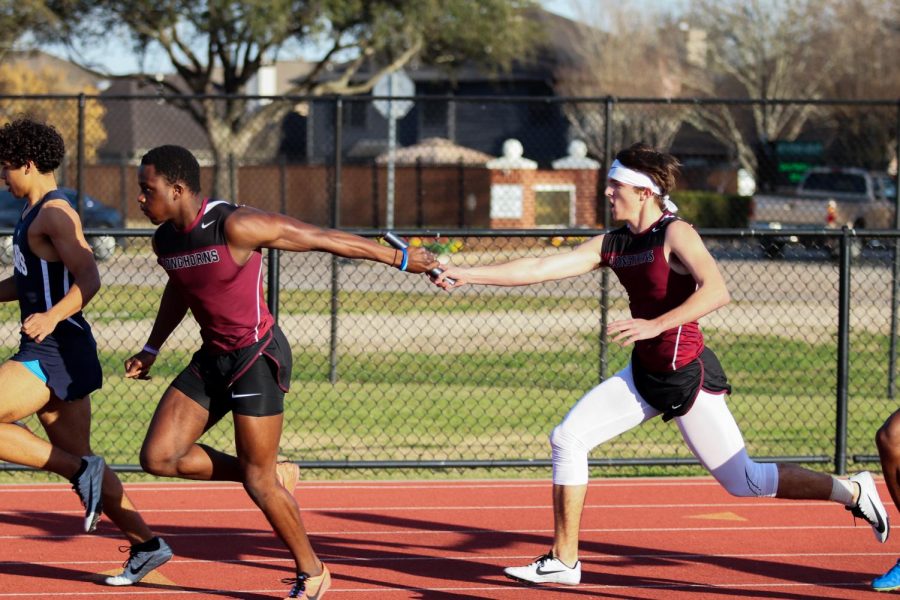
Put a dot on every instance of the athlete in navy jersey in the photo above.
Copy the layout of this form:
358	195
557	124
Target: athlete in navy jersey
672	281
40	283
211	253
56	367
68	355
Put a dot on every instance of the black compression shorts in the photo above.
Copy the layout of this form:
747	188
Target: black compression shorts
673	392
251	381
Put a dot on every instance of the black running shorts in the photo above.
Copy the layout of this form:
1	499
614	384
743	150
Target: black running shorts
250	381
673	392
67	364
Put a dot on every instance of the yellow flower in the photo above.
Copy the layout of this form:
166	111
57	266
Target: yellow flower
557	241
415	242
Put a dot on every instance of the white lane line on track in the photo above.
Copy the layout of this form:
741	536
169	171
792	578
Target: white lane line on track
422	533
477	558
505	587
416	485
480	507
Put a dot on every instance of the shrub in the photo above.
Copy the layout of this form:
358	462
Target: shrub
710	209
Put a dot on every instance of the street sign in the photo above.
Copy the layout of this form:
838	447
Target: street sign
393	85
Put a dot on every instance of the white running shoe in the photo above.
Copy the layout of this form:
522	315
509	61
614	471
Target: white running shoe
546	569
869	507
140	563
89	487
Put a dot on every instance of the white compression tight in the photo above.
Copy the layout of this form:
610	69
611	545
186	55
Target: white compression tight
709	429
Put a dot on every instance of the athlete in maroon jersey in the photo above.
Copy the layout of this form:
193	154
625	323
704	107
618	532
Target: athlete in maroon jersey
211	252
672	281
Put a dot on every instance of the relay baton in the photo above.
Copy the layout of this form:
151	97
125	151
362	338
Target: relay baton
399	244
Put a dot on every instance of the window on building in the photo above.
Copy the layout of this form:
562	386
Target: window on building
355	114
554	205
434	113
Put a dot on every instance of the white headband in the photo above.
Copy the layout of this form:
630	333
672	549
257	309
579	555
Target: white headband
620	172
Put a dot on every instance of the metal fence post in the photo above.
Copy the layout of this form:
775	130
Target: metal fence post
895	275
843	355
274	281
604	274
335	223
461	183
420	195
274	274
375	208
79	165
232	177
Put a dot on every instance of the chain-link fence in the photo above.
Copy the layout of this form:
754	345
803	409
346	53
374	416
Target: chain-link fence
390	371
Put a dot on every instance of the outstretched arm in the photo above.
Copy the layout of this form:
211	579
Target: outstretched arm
525	271
172	310
687	253
248	229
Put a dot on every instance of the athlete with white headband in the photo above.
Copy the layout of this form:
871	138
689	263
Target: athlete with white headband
672	281
621	173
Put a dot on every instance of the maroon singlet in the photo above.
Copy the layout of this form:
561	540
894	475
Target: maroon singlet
638	260
226	298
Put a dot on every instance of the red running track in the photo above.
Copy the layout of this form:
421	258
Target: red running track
449	540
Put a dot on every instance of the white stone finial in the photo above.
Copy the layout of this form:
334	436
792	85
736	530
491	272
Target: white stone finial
512	157
577	158
577	149
512	148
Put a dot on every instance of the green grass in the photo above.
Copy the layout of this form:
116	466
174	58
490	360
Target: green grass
134	302
498	403
502	405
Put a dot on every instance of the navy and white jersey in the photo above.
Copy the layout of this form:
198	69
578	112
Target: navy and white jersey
639	261
226	298
40	283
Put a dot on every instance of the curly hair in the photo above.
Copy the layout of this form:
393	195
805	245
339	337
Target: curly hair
661	167
26	140
175	164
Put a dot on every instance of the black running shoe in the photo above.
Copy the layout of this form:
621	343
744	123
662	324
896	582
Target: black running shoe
89	487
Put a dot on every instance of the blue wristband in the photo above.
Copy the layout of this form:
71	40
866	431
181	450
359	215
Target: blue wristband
405	260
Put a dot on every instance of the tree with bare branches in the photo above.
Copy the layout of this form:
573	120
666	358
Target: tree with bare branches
217	46
20	82
761	49
623	51
865	68
19	17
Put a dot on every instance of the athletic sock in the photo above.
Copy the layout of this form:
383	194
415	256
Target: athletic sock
842	490
80	471
553	554
150	545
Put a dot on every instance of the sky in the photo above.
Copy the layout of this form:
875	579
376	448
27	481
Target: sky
115	56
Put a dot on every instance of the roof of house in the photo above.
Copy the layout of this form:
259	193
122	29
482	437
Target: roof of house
435	151
75	76
558	46
135	126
